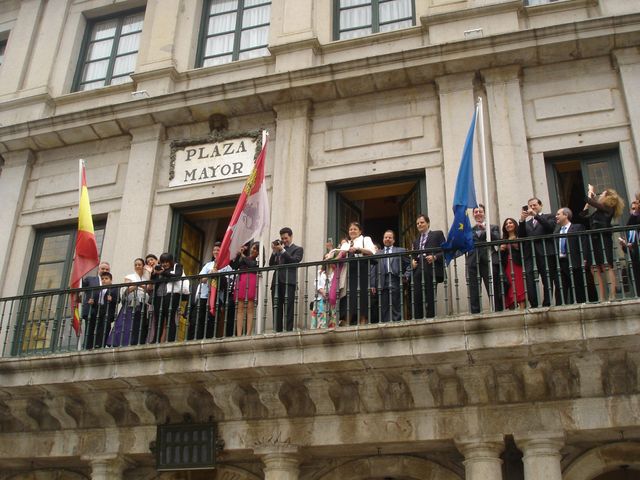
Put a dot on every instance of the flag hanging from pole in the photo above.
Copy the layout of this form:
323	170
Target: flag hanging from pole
248	220
460	238
86	256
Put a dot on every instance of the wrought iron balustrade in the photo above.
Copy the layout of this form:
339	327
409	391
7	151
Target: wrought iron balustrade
338	292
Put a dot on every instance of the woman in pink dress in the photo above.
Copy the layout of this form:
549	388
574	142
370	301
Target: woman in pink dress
245	292
512	264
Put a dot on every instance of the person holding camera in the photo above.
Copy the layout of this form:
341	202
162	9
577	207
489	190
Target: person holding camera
167	297
285	280
245	292
534	223
608	205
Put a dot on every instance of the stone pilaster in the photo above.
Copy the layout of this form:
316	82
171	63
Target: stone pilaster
289	175
292	38
281	462
13	183
137	198
108	466
541	455
41	61
20	46
628	62
508	137
482	457
155	66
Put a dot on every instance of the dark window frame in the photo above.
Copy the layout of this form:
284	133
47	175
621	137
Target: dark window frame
86	41
375	17
237	31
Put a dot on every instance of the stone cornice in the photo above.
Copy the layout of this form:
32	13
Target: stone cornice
465	13
322	82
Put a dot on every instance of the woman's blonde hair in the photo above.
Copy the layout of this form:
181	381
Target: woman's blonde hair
613	200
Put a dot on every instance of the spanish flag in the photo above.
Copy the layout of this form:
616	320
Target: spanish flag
86	255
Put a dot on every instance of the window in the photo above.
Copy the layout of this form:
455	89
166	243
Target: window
357	18
109	51
568	177
45	319
233	30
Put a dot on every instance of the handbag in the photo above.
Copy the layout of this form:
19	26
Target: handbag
185	287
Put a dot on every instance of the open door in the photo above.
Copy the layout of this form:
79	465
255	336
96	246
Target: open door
569	176
378	206
194	230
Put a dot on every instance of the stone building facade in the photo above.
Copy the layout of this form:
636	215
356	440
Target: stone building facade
368	105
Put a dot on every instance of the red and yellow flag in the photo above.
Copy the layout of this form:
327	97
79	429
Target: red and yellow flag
86	256
249	218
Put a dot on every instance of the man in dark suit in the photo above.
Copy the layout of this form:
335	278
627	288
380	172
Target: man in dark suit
570	285
103	303
386	276
88	282
478	264
285	280
534	223
428	268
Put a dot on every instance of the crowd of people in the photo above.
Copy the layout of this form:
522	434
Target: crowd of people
361	282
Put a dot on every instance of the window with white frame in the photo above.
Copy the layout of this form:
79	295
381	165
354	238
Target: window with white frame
233	30
358	18
109	51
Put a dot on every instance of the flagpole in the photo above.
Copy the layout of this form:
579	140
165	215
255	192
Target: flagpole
262	285
485	187
79	296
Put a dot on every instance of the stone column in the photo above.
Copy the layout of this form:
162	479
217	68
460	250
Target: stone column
508	137
627	61
289	176
20	45
281	462
13	183
541	455
137	198
108	466
482	457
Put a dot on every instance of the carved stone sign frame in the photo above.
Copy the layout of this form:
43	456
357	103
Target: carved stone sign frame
216	144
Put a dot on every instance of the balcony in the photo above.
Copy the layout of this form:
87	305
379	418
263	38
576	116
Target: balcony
429	389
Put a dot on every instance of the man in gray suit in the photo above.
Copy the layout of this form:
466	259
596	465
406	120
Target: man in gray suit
386	278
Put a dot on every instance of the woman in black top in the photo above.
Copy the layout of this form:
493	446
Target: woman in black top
167	297
608	206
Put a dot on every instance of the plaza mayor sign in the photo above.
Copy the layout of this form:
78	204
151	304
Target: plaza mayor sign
212	159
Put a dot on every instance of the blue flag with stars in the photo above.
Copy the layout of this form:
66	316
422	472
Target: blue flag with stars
460	238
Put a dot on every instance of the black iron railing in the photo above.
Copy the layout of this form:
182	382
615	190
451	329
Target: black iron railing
340	291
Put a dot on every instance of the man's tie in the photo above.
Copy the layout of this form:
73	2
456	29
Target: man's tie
102	294
423	241
388	250
631	237
534	222
563	241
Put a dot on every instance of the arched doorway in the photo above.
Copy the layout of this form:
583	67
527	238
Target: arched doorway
614	461
387	467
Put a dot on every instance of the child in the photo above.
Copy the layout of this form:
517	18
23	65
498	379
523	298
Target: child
103	303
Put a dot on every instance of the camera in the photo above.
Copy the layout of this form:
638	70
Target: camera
525	208
276	242
158	268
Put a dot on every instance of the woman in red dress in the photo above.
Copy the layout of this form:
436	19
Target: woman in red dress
512	262
246	291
